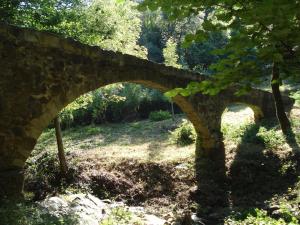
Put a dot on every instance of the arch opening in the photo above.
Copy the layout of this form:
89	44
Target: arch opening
236	119
134	146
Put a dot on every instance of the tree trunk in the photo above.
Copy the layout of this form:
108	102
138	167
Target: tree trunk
280	113
172	109
60	147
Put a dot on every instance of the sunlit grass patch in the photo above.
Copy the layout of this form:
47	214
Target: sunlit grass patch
142	140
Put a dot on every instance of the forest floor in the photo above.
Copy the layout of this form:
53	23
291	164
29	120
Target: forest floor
137	163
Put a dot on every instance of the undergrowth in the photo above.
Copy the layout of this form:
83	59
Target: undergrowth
265	132
28	213
185	134
260	217
159	115
121	216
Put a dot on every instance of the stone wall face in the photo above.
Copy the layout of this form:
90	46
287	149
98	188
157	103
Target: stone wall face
11	184
41	73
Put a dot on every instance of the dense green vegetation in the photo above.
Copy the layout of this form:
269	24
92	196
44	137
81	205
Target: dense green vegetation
257	217
114	103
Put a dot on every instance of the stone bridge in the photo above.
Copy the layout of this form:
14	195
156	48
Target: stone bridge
40	73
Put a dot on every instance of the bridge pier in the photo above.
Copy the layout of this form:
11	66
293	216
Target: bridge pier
11	184
210	175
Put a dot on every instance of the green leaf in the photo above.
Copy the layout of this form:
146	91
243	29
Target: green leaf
172	93
185	92
277	58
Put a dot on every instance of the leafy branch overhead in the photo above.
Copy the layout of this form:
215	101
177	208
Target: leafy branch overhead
263	42
259	32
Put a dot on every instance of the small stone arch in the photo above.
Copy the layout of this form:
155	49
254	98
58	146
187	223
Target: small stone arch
256	110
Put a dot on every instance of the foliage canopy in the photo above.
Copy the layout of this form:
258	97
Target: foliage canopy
260	33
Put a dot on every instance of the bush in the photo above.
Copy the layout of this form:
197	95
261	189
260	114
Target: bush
296	96
271	138
241	133
184	135
121	216
258	216
27	213
159	115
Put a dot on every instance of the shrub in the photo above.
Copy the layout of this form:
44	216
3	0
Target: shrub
121	216
296	96
27	213
184	135
257	217
245	132
271	138
159	115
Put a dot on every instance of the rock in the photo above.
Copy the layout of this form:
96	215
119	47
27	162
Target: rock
137	210
55	206
86	209
274	207
196	219
117	204
182	166
106	201
153	220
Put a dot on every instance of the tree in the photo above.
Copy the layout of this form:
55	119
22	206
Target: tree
151	36
53	15
60	148
110	24
171	59
113	25
264	39
8	9
199	56
170	54
157	30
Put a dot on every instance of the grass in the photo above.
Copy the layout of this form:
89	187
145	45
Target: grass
263	169
143	140
261	217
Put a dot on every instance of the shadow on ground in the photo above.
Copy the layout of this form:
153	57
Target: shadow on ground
257	173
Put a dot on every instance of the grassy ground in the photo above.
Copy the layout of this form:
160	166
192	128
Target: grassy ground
138	163
145	141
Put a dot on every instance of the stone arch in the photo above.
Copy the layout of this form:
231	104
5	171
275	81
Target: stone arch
256	110
53	72
53	107
41	73
237	114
